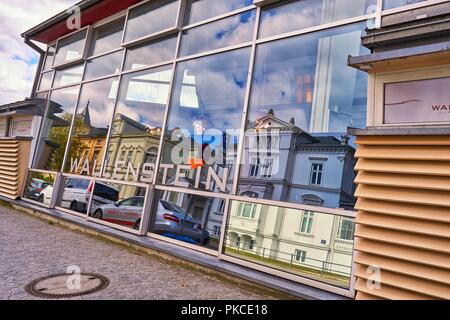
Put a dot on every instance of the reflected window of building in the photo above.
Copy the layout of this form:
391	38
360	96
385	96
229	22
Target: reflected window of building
389	4
204	120
187	217
299	14
70	48
151	53
161	13
273	239
316	173
55	129
218	34
39	187
307	222
300	255
109	64
68	76
119	204
107	37
198	10
346	229
49	58
138	120
303	99
91	125
246	210
46	81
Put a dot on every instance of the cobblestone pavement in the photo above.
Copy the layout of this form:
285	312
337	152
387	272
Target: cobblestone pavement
31	248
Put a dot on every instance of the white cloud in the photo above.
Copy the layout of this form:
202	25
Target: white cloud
18	61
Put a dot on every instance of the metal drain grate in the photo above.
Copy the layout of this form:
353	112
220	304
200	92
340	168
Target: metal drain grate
58	286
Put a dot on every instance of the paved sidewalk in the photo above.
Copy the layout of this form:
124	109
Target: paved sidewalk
31	248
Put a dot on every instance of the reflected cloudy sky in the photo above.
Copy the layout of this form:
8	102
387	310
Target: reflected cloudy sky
161	17
219	34
205	9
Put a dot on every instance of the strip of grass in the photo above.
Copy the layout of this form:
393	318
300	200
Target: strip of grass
337	279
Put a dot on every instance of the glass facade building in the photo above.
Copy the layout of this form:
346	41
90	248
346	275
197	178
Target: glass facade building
220	126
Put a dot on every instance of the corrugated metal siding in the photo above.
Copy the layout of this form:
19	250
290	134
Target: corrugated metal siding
403	220
13	164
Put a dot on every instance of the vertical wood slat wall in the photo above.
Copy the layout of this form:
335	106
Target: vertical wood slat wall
14	155
403	219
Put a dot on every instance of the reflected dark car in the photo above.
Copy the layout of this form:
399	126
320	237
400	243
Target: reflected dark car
35	188
174	222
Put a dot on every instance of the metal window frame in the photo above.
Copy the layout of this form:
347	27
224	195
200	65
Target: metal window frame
113	225
347	292
22	194
87	39
154	35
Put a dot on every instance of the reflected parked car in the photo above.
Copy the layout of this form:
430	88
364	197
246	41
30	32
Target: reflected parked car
77	192
127	212
35	188
171	220
174	222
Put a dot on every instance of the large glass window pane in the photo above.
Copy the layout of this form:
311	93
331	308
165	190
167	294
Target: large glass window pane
74	194
68	76
187	217
116	203
151	17
198	10
39	187
223	33
46	81
94	114
55	129
107	37
49	58
389	4
304	97
151	53
105	65
203	123
273	237
296	15
136	130
70	48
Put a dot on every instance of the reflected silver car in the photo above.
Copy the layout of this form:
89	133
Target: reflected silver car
171	220
127	212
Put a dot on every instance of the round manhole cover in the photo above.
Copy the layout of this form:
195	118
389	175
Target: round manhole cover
65	285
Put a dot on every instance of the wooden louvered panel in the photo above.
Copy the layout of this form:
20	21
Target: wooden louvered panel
13	163
414	196
365	296
404	152
408	268
404	166
388	292
396	251
403	238
404	180
424	227
7	178
8	150
413	211
403	219
404	140
429	288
